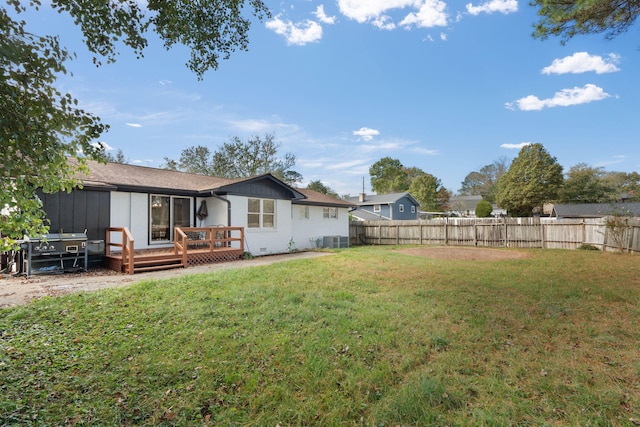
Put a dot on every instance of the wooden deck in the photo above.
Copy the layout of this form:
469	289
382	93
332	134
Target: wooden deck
191	246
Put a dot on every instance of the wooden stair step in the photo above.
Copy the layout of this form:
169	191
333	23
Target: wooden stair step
156	267
145	262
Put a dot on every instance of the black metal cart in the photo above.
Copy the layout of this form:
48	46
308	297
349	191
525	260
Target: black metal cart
55	253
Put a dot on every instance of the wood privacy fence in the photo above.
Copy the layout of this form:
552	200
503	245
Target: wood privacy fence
500	232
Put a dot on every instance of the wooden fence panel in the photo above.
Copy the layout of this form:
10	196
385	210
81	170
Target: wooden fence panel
496	232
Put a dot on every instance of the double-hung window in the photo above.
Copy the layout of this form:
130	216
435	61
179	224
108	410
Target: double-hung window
330	213
261	213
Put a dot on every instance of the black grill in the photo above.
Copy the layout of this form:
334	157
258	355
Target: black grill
55	253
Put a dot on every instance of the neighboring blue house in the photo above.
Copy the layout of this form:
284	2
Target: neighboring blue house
393	206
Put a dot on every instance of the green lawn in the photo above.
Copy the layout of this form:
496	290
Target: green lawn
365	337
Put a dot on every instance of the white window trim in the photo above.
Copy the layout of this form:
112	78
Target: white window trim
377	208
262	214
401	207
171	224
329	213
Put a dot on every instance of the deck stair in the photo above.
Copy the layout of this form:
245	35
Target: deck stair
142	263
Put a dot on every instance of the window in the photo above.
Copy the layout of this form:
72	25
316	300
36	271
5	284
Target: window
401	207
303	212
376	208
261	213
330	213
168	212
413	209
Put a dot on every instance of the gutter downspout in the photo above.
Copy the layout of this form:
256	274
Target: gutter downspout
213	194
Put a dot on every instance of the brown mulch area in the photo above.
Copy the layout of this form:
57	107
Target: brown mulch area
465	253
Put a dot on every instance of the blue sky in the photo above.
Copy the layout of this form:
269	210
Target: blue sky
447	87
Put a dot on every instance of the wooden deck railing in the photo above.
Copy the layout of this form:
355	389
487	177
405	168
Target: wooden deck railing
212	238
180	245
126	245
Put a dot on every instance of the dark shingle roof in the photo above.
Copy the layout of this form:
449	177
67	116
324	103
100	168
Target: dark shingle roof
317	198
126	177
595	210
132	176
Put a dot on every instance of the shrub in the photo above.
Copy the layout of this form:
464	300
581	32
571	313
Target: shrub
483	209
588	247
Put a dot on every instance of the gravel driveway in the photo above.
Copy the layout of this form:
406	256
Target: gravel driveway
21	290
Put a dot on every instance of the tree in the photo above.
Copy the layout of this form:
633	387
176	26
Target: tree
389	176
428	190
534	178
626	185
321	188
483	182
40	126
117	158
586	184
567	19
238	159
483	209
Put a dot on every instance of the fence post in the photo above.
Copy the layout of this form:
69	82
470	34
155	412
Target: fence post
542	229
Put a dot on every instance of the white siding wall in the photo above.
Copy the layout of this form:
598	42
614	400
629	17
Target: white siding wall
217	212
131	210
306	231
263	241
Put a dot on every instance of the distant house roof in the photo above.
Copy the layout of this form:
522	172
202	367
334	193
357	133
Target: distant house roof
594	210
381	199
363	215
464	203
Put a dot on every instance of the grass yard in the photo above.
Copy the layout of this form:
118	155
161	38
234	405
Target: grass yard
367	337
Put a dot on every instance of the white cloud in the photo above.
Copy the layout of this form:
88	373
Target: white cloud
427	13
515	146
432	13
425	151
101	145
384	22
134	125
582	62
388	146
366	10
563	98
443	37
502	6
366	134
322	17
165	82
299	34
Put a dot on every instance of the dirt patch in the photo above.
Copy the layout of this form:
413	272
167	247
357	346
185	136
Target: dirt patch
465	254
19	290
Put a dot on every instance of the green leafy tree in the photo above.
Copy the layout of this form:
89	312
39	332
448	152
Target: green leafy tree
428	190
390	176
117	158
534	178
40	127
238	159
586	184
567	19
626	185
321	188
483	209
483	182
